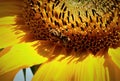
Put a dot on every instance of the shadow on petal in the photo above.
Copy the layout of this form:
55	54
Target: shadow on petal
112	68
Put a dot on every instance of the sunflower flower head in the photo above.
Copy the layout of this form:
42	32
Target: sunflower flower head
68	38
79	25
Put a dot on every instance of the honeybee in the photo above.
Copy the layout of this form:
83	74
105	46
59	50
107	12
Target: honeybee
59	35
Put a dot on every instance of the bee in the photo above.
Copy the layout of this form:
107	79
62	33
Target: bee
58	34
55	32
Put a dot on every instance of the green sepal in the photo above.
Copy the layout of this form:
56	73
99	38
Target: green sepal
34	68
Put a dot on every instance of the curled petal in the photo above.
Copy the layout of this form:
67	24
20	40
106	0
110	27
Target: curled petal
18	57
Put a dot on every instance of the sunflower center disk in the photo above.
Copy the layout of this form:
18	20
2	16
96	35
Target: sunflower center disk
76	24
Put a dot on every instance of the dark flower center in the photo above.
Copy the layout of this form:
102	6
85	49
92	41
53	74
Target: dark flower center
82	25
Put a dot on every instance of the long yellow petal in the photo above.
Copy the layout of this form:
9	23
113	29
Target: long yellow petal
112	63
90	69
10	7
115	55
9	10
20	56
8	36
8	76
8	20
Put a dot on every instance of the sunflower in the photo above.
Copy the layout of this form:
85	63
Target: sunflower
71	40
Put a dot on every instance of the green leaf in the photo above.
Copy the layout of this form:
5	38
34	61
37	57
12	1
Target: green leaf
34	68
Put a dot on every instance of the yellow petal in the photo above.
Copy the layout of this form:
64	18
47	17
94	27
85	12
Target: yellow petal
90	69
115	55
20	56
112	64
8	20
8	76
7	35
10	7
9	10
